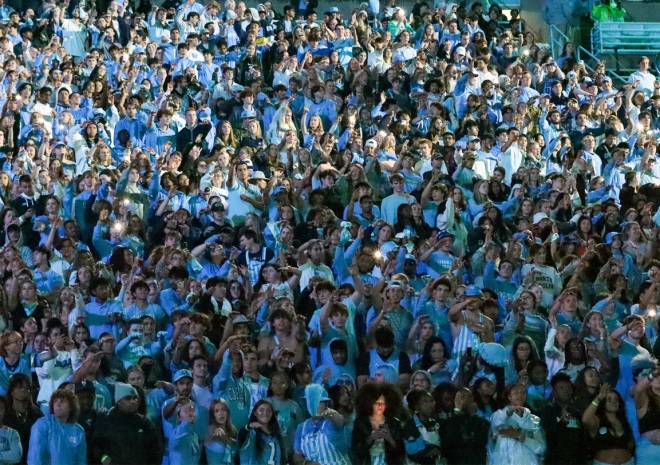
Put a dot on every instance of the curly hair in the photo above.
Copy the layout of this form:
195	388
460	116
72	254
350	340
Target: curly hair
368	394
70	397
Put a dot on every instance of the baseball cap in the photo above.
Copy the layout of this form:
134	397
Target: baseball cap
609	238
473	291
181	374
395	284
538	217
84	386
277	190
240	319
444	235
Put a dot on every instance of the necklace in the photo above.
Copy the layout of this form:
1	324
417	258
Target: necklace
21	417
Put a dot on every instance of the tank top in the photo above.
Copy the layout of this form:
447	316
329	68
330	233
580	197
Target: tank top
605	440
650	421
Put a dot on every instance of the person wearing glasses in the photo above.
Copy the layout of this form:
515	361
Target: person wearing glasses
12	359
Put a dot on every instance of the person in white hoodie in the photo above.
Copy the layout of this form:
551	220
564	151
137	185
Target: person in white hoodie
65	360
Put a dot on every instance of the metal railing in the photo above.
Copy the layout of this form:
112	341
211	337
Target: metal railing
557	41
505	4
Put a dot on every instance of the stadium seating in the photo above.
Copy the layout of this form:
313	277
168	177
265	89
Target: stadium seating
625	38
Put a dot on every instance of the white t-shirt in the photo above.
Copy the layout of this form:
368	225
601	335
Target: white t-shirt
646	80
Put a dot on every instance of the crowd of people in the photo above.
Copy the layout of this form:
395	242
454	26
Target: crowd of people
240	234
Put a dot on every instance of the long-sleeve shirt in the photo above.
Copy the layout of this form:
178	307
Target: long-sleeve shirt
235	390
327	111
98	317
11	449
134	126
54	372
55	443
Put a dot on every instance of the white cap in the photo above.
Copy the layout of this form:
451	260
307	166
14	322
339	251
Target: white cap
538	217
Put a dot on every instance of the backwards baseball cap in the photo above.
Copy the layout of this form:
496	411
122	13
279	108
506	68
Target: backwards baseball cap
538	217
395	284
371	143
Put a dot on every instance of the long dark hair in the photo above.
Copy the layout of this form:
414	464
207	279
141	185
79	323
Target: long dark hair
229	427
335	392
500	383
288	394
533	352
273	425
425	362
117	260
580	386
494	405
17	380
620	414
